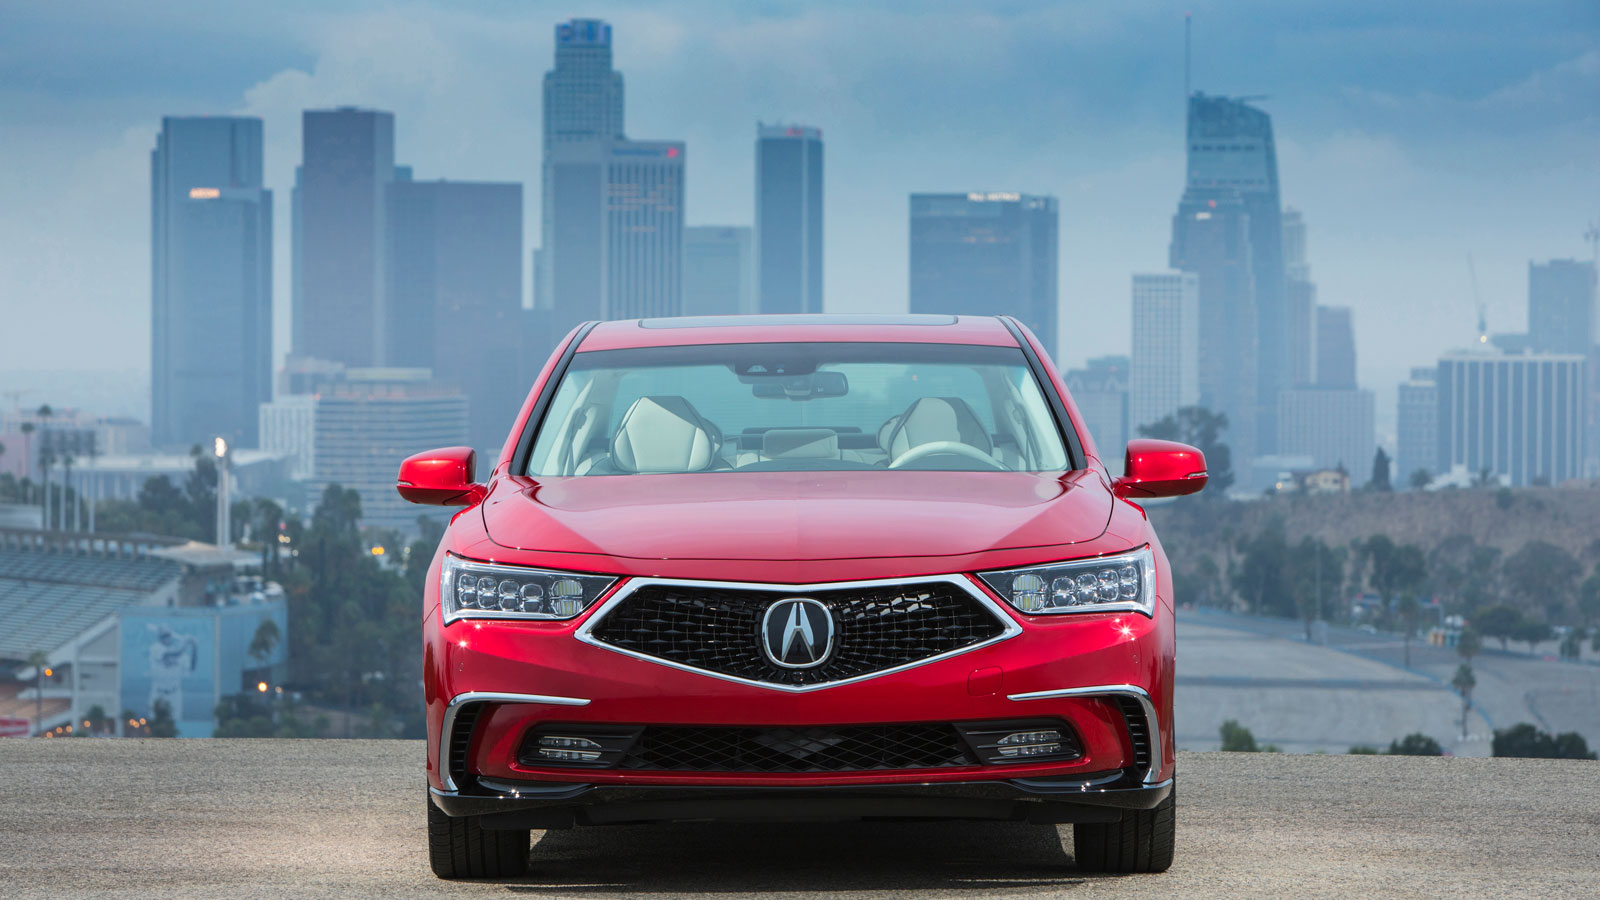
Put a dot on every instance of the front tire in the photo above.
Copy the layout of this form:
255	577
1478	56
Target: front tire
1142	842
458	847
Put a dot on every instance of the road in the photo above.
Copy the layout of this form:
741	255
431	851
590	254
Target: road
334	819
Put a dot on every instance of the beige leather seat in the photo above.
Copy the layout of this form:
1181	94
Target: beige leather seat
932	419
664	434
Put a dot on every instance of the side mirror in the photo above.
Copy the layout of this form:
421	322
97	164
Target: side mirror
1160	469
441	478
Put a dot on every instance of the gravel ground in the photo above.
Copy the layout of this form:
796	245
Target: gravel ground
328	819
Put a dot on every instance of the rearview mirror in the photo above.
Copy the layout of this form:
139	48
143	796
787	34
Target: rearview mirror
1160	469
801	387
441	478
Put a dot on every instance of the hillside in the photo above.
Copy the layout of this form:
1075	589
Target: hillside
1503	518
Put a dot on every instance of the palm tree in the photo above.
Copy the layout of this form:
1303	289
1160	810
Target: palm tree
38	660
1464	682
67	460
44	413
27	457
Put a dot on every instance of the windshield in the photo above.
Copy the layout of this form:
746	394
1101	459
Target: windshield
796	408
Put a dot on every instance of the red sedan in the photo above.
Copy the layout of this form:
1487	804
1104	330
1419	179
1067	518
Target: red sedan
808	567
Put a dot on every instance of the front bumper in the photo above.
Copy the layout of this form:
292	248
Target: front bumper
1094	797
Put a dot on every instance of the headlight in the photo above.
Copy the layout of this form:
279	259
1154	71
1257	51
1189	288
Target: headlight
486	591
1126	581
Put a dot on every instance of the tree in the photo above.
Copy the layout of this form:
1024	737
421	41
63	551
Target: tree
1572	644
1363	750
161	721
1396	569
1415	744
1409	609
1380	472
265	639
1499	622
1420	479
1263	576
1237	739
1589	599
1316	576
39	661
1202	429
1469	643
1527	742
1542	574
1464	681
1532	634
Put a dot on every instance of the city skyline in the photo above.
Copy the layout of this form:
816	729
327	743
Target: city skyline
1127	154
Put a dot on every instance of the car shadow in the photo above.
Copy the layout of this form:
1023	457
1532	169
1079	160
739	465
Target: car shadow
924	858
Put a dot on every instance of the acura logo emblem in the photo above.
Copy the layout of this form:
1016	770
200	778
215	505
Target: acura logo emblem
797	633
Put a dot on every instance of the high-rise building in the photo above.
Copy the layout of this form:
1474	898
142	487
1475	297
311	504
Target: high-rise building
1100	391
357	425
1164	372
211	281
718	270
1211	239
1336	348
612	239
789	218
1561	306
1417	426
1231	150
1518	416
455	294
340	215
986	254
1332	426
1299	300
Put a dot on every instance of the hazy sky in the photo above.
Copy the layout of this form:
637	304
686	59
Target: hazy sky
1410	134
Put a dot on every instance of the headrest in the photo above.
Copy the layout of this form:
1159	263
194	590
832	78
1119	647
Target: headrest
664	434
939	419
800	443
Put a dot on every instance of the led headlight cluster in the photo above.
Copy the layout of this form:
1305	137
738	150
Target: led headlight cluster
483	590
1126	581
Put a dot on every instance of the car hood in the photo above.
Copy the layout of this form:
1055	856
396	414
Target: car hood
797	515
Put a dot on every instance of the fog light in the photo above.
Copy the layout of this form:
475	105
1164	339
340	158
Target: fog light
588	745
1031	740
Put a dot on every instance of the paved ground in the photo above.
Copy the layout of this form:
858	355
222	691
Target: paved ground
1512	686
1303	698
330	819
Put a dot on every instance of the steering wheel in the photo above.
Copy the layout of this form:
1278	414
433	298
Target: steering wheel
933	448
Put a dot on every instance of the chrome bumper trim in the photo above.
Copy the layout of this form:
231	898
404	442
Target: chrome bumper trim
1157	750
447	727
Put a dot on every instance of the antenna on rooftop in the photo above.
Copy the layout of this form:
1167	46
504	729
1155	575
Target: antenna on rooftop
1188	21
1483	316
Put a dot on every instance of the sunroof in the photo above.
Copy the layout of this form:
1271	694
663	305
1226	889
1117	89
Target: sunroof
759	320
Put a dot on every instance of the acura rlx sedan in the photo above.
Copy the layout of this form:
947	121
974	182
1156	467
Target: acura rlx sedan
799	568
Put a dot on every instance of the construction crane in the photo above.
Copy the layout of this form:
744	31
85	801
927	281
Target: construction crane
1483	314
1593	237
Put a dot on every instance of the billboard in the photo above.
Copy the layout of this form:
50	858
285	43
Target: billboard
168	655
13	727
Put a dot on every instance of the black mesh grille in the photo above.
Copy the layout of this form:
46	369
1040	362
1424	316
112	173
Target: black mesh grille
847	748
1138	731
720	630
461	742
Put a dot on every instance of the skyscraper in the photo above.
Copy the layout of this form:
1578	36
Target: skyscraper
789	218
1163	374
1211	239
1561	306
1231	151
346	168
211	281
1417	426
612	242
1519	417
455	294
718	270
1336	348
986	254
1299	299
1332	426
1100	391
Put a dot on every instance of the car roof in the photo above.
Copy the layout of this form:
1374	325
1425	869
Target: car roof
757	329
